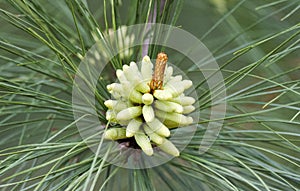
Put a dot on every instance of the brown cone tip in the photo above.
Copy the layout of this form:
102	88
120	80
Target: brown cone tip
159	71
163	57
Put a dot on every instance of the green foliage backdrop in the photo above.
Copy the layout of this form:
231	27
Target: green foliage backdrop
256	44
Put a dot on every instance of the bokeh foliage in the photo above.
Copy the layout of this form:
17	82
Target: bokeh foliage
256	44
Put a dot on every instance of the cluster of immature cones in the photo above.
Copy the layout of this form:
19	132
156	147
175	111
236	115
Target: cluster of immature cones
148	105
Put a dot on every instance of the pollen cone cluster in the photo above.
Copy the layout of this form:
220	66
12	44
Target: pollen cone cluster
148	107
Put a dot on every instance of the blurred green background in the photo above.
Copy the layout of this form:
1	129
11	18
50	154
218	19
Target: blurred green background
256	44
